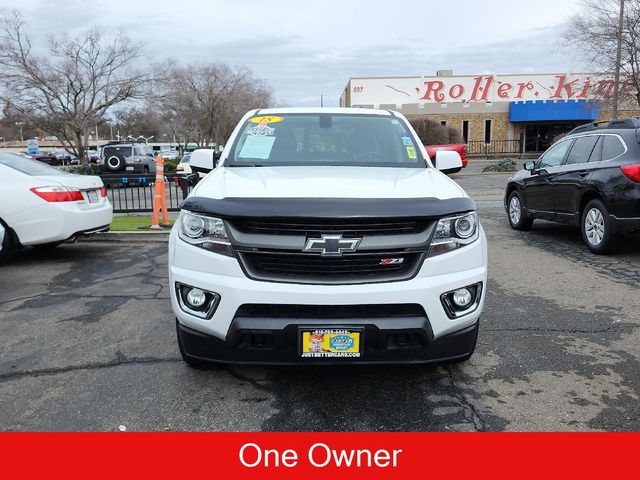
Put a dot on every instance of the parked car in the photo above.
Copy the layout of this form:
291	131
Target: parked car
47	157
183	167
118	157
62	157
93	155
461	149
590	179
41	206
184	171
326	236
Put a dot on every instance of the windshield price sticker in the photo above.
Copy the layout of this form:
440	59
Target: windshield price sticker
257	147
411	152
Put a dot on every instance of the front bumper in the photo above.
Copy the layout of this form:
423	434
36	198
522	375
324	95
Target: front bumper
279	342
214	338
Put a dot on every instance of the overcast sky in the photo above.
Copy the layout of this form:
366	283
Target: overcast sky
305	49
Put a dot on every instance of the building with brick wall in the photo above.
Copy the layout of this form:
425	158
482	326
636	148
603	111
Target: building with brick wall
521	113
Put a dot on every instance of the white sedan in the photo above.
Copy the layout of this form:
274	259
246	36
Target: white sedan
43	206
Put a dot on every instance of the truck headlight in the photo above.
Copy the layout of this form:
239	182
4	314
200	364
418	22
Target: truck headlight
454	232
206	232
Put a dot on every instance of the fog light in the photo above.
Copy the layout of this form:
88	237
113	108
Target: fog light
196	298
463	301
462	298
197	302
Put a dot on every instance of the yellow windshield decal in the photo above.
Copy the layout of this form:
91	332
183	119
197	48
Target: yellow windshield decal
266	119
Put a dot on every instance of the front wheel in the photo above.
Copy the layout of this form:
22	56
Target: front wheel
189	360
597	230
518	217
468	356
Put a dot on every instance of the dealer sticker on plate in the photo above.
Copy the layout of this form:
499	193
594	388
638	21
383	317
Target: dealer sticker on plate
331	344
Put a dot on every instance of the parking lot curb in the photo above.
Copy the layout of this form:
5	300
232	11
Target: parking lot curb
129	237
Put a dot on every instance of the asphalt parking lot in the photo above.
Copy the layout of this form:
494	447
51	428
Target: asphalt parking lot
88	343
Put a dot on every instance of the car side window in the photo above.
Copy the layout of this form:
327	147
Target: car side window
596	154
555	155
581	150
612	147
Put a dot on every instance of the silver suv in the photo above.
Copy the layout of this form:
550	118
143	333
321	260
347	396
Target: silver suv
127	157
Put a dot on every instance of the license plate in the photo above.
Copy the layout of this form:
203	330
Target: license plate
92	195
129	169
331	343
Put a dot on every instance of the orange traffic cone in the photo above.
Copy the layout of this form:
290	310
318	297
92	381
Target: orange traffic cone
160	197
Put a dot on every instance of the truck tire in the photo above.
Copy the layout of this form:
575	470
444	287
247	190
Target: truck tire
114	163
193	362
468	356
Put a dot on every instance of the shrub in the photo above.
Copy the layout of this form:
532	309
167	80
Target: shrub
170	165
434	133
503	166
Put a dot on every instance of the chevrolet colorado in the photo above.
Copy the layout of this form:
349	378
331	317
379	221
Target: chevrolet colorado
326	236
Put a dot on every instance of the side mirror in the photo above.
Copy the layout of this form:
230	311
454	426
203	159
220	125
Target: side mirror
202	161
448	161
530	166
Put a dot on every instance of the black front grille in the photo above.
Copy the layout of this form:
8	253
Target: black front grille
331	311
318	227
314	268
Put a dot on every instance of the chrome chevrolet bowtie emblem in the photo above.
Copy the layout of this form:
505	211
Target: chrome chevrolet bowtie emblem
332	245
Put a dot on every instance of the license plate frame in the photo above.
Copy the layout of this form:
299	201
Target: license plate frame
92	196
336	343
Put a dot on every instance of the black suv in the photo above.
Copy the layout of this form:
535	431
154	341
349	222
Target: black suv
127	157
590	179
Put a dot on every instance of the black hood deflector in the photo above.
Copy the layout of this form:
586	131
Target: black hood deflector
327	208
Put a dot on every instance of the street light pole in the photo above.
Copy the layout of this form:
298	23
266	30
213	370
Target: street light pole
20	124
616	87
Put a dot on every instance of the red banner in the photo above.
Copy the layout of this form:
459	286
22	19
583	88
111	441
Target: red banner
334	456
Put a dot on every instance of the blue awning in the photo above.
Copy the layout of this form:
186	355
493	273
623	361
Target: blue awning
554	110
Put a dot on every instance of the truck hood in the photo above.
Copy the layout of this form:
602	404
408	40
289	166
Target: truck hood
327	182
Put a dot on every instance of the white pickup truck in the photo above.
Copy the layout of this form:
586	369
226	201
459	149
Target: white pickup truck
326	236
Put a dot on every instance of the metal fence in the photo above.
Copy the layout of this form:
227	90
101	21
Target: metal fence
135	193
495	147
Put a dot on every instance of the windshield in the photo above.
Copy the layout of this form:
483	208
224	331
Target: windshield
27	165
325	139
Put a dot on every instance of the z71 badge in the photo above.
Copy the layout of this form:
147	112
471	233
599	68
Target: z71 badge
392	261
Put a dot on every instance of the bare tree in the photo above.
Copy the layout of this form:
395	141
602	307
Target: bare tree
142	121
206	101
595	32
68	91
